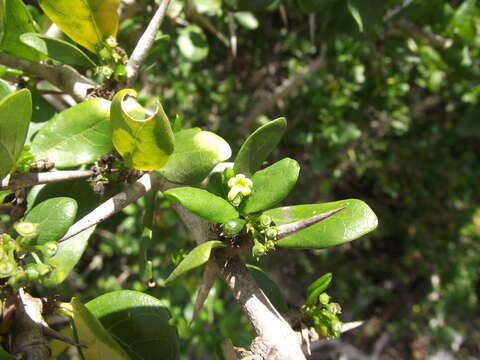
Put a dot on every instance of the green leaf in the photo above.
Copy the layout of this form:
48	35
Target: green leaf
5	89
352	8
15	115
355	220
146	144
139	323
16	20
258	146
76	136
193	43
202	203
58	50
246	19
196	154
53	216
99	344
269	287
195	258
271	185
317	287
4	194
68	254
88	22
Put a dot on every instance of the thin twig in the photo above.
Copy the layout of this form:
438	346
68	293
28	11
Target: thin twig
288	229
115	204
18	181
418	32
64	77
283	91
146	41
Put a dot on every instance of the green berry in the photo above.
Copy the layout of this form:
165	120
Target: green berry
264	221
232	227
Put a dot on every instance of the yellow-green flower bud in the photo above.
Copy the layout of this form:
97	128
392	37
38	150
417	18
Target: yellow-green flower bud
324	298
26	229
271	233
50	249
6	268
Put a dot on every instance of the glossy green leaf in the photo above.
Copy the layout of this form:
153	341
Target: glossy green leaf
87	22
317	287
196	154
193	43
202	203
53	216
16	20
15	115
355	220
76	136
271	185
195	258
139	323
99	344
5	89
258	146
269	287
68	254
57	49
145	143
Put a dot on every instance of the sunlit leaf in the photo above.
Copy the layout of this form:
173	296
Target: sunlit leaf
193	43
99	344
196	154
258	146
53	216
15	115
203	203
271	185
57	49
145	143
195	258
75	136
355	220
139	323
68	254
14	21
87	22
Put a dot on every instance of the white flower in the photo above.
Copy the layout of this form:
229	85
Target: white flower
239	185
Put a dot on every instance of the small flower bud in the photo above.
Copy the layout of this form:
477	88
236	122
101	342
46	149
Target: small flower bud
334	308
50	249
26	229
271	233
237	200
264	220
6	268
269	245
324	298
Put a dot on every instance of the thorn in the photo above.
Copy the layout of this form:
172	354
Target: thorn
351	325
289	229
208	279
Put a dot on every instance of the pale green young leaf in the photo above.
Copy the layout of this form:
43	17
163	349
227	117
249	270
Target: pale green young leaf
145	143
195	258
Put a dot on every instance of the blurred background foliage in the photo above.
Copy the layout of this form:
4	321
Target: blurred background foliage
384	107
